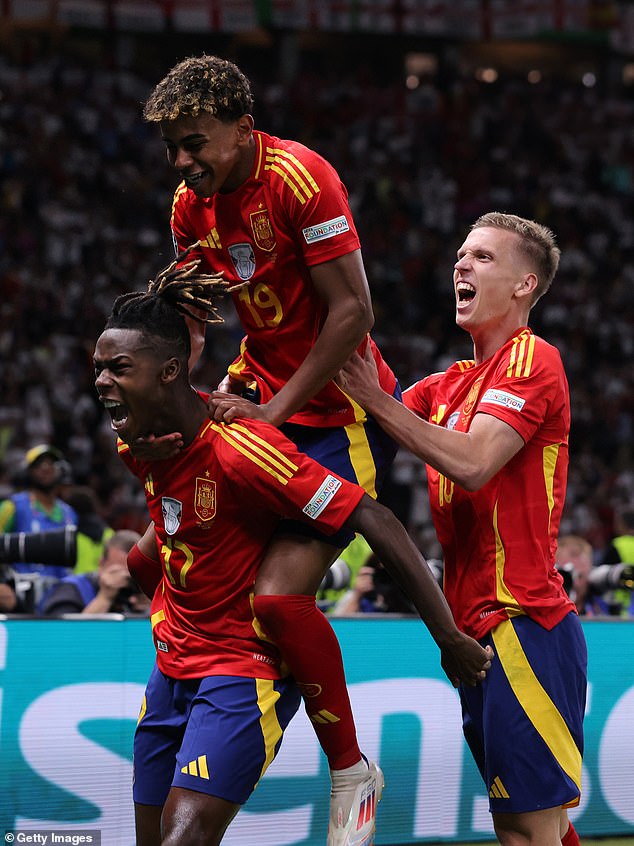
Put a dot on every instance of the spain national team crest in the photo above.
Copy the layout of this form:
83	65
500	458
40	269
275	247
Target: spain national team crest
172	512
205	499
263	234
243	260
472	398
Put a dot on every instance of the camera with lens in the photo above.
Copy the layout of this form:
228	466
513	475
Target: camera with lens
610	583
57	547
337	577
611	577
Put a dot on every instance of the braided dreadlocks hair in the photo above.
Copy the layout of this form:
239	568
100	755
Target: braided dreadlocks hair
179	290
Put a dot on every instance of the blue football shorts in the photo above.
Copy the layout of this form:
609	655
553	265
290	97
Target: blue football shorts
215	735
360	452
524	722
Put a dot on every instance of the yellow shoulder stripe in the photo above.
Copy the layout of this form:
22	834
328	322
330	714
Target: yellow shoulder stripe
465	364
521	357
293	172
256	450
177	195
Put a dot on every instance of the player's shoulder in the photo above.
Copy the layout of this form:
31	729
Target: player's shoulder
125	454
526	354
182	200
255	442
290	166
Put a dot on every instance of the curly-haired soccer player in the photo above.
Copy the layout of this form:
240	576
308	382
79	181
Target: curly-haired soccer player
218	701
274	214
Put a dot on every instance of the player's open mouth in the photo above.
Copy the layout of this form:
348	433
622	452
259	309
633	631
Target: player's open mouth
118	413
465	292
193	179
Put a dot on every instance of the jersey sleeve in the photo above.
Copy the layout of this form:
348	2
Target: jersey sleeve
183	234
133	464
316	205
527	390
418	397
265	468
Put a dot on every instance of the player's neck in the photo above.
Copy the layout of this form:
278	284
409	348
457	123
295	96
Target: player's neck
488	341
191	412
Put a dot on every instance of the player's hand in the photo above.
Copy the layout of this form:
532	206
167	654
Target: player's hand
223	408
466	662
359	378
157	449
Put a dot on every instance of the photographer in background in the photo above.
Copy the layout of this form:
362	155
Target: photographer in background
373	591
38	508
620	554
604	590
108	590
9	603
574	561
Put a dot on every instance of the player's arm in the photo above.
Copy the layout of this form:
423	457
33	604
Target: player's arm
343	286
144	564
463	659
468	458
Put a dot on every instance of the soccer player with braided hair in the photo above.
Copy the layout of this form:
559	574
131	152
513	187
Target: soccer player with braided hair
218	699
274	214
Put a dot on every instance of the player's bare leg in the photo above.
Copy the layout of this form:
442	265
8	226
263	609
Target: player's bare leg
537	828
567	831
286	585
147	820
194	819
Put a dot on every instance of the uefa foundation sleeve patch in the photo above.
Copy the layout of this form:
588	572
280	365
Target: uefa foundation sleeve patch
322	497
503	398
327	229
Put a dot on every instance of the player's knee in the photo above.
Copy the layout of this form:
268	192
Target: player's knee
194	819
188	832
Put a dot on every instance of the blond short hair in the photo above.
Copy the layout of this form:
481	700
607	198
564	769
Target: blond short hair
537	242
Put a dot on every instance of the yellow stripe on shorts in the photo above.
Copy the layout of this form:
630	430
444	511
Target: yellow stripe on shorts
537	704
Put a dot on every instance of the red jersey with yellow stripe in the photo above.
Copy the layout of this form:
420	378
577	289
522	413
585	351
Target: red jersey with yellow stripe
290	214
499	542
215	507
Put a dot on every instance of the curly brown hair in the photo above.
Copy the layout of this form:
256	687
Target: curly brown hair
198	84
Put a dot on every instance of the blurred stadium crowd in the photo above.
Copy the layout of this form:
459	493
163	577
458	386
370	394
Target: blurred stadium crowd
85	196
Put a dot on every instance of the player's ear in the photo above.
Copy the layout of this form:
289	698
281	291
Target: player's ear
171	370
527	285
244	129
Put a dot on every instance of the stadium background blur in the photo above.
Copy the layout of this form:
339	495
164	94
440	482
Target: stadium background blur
431	112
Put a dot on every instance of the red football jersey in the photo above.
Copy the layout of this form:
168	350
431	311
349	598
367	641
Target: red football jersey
291	213
499	542
215	507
